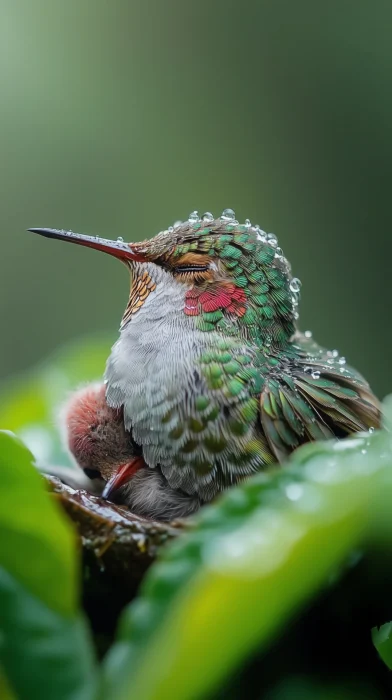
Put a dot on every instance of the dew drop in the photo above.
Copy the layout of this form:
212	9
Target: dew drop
308	334
177	223
335	353
260	234
272	240
278	252
193	218
296	315
247	223
316	375
171	229
371	430
294	491
120	239
207	216
342	370
295	285
228	215
342	360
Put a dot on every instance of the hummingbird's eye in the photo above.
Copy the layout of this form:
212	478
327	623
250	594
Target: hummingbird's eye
191	268
92	473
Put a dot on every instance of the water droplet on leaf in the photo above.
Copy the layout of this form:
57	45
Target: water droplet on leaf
294	491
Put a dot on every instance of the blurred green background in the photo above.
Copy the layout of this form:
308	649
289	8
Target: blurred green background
117	118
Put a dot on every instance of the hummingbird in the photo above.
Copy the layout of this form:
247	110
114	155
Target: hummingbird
210	380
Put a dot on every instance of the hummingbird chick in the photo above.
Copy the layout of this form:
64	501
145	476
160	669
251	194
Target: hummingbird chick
210	380
96	437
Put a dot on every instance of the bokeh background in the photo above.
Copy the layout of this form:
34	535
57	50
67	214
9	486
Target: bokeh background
117	118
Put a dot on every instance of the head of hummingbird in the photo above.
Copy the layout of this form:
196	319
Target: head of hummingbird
230	278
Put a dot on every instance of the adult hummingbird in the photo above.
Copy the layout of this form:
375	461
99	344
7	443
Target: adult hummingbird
212	378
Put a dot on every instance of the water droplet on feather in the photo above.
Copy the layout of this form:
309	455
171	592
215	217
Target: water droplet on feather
272	240
228	215
193	218
295	285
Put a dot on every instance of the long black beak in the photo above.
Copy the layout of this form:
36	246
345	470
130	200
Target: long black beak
118	249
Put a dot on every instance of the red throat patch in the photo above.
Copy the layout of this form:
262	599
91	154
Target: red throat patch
226	297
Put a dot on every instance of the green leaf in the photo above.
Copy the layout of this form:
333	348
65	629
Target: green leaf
45	656
37	545
29	404
309	688
251	562
6	692
382	640
45	650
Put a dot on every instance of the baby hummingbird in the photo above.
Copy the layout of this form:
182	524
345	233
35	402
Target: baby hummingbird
210	380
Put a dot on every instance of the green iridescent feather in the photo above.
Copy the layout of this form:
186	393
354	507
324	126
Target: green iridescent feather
264	383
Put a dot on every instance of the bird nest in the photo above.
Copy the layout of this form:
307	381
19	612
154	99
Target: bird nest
117	547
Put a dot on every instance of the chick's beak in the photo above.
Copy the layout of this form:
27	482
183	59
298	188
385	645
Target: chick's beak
119	249
122	475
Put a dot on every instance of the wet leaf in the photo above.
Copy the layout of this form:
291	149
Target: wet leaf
30	403
382	640
37	545
254	558
45	650
43	653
